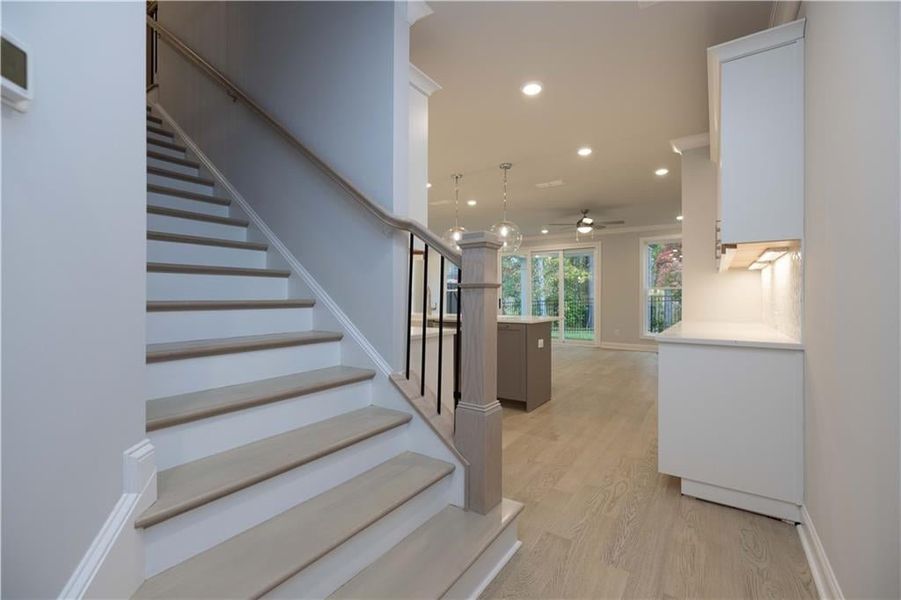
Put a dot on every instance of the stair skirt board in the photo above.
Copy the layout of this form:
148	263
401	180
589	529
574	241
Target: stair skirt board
184	286
328	573
204	437
200	254
186	204
197	325
181	537
171	224
195	374
172	181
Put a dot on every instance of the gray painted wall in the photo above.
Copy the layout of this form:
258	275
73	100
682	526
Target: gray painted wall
73	284
851	291
327	71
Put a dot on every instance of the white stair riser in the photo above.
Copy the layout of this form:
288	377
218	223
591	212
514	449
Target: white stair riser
476	578
169	224
181	286
206	324
175	540
199	254
193	374
174	182
198	439
163	150
158	136
179	203
172	166
338	566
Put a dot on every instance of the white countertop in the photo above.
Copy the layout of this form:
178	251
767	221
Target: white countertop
716	333
527	320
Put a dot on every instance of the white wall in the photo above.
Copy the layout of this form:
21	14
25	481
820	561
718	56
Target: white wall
707	294
851	291
334	74
73	256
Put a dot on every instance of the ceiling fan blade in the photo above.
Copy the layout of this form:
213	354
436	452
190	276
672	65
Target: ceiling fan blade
562	225
611	222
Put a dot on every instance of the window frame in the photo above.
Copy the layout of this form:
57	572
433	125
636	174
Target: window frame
643	277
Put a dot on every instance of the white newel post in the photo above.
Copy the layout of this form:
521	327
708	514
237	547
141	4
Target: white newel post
478	415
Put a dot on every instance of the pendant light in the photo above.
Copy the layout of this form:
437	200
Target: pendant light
453	235
507	231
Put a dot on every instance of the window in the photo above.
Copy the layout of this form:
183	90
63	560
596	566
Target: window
513	285
661	277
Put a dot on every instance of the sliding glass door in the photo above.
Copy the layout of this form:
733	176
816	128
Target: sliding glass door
561	284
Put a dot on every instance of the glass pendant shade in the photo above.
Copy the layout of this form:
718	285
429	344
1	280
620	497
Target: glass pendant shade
509	234
453	236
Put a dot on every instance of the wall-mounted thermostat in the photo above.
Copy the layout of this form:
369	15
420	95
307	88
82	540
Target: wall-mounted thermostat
16	70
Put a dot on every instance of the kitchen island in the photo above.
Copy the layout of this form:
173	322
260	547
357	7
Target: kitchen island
524	360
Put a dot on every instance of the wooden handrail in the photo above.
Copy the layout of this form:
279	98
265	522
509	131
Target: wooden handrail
387	218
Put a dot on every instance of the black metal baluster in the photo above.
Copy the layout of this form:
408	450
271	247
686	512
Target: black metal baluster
425	310
457	339
440	328
410	305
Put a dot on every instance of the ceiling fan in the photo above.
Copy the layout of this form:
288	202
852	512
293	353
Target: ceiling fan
586	224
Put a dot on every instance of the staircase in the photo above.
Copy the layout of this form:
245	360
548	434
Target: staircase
281	471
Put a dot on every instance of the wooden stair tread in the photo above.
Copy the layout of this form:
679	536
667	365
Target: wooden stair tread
156	120
151	170
199	482
167	351
195	216
161	189
187	305
428	562
165	144
181	238
155	267
185	408
185	162
160	131
261	558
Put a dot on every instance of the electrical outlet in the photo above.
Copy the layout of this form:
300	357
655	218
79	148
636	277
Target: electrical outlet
541	342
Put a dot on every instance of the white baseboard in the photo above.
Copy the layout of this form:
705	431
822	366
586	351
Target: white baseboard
630	347
113	566
820	569
322	296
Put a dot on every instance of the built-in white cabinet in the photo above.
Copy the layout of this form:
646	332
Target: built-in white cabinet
731	415
756	94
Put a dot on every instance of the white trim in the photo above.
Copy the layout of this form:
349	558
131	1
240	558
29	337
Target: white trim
690	142
113	566
564	236
820	569
629	347
416	10
318	291
422	82
733	50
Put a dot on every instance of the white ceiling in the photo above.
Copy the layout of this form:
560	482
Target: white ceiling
621	77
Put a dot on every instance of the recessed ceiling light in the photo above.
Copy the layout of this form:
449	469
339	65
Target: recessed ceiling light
471	202
428	185
661	171
532	88
544	231
679	218
584	151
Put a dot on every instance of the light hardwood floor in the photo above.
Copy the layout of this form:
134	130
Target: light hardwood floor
601	522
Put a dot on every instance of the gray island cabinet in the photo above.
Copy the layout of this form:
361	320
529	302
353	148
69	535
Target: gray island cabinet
524	360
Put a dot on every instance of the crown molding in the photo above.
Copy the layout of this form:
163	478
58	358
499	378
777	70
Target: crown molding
587	239
690	142
416	10
422	82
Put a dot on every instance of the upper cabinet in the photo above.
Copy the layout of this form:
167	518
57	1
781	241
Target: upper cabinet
756	94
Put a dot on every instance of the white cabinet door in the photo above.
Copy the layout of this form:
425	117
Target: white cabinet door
762	146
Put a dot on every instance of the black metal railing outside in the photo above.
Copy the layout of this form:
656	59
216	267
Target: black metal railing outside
578	315
664	309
